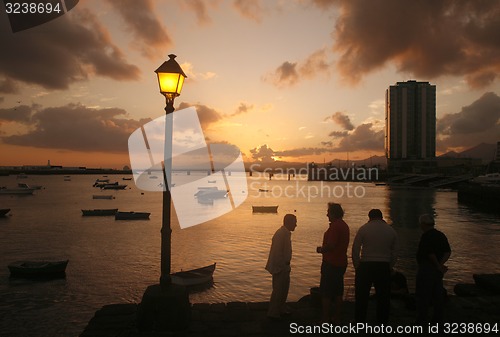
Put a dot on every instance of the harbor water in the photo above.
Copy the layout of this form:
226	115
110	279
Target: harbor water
114	261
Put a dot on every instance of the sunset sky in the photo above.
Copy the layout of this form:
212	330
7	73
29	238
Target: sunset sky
291	80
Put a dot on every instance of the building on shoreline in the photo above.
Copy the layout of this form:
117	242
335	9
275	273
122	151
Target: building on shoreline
410	127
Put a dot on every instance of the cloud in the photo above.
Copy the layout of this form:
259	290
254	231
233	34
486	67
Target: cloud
200	9
249	9
192	75
206	114
61	52
21	113
263	154
342	120
476	123
8	86
242	108
338	134
425	38
149	35
288	74
78	128
364	137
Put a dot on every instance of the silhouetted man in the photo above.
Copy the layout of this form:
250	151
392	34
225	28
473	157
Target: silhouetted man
376	241
278	264
433	252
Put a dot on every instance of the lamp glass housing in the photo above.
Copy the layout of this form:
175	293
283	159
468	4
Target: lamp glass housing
170	83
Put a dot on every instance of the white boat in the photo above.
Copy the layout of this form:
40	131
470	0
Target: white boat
490	178
210	193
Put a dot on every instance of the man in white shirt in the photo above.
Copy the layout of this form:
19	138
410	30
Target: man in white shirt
278	264
374	256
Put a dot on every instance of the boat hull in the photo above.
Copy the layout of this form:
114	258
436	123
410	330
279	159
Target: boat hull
4	211
265	209
132	216
195	277
99	212
38	268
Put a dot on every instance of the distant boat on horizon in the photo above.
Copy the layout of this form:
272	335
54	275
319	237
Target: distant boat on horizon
265	209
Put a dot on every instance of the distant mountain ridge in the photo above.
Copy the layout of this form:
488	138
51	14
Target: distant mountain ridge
486	152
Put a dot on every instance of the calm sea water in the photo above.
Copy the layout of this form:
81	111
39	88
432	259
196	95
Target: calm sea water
114	261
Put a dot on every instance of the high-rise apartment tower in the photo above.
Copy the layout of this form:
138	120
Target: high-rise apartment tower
410	122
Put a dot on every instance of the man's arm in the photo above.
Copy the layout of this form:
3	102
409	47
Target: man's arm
356	248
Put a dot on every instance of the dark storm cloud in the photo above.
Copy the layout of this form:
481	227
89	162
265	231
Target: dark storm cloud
58	53
149	35
342	120
206	115
79	128
476	123
21	113
288	73
8	86
425	38
364	137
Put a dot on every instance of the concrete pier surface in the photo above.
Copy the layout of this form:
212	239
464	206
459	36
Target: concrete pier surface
249	319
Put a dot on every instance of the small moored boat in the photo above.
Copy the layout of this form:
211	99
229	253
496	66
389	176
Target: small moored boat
132	216
99	212
103	196
194	277
19	190
4	211
265	209
113	187
38	268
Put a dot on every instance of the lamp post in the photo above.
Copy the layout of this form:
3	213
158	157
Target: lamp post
165	307
170	79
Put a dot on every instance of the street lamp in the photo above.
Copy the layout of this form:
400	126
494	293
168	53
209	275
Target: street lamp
165	307
170	79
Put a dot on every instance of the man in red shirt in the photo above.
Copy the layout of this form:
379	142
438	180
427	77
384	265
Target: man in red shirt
333	267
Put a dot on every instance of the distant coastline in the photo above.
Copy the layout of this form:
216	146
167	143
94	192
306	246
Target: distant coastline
60	171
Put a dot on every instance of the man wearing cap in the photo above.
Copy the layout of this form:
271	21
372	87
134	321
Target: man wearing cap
432	254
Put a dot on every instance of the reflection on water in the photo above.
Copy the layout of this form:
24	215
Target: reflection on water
405	206
114	261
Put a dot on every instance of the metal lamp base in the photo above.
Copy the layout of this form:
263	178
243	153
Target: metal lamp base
164	309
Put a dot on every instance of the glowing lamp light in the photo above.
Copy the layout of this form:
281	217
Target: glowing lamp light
170	77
